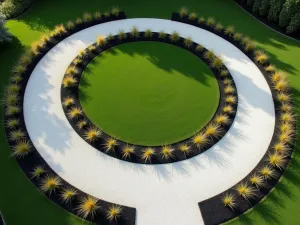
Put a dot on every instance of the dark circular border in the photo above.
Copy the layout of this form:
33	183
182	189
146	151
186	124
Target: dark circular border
137	156
213	210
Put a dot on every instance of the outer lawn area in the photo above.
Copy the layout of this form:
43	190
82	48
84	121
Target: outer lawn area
21	203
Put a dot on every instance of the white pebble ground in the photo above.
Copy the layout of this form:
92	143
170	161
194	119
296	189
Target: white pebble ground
162	194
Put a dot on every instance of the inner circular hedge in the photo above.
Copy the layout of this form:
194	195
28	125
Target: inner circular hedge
149	93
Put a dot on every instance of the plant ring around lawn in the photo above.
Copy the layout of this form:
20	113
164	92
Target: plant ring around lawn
62	159
204	139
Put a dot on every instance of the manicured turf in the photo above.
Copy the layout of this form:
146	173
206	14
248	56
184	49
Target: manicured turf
149	93
21	203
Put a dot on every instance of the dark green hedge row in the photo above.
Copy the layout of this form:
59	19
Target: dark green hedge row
13	8
286	13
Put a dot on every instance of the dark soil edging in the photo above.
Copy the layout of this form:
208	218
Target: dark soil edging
33	159
137	156
213	210
295	35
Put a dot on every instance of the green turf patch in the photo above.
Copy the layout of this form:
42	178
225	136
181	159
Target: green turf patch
149	93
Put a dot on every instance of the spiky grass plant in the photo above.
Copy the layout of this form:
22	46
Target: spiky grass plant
21	149
92	134
216	64
88	207
81	124
82	54
77	61
109	37
74	112
229	30
13	88
127	151
72	70
228	109
16	78
59	30
227	81
281	85
285	137
270	68
12	110
213	130
101	40
261	57
68	194
78	21
200	140
277	160
70	25
287	117
174	36
122	35
229	89
11	98
69	81
224	73
167	152
26	59
106	14
267	172
19	69
134	32
209	55
12	123
286	127
16	135
230	99
44	40
278	75
185	149
87	17
237	36
147	154
222	119
115	11
199	48
250	47
97	15
110	144
36	47
37	172
193	16
162	35
148	33
68	101
285	107
113	212
229	200
188	42
281	148
201	20
50	183
183	11
210	21
245	191
283	97
257	180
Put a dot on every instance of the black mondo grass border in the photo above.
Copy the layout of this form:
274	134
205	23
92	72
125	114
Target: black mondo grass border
23	149
213	210
118	149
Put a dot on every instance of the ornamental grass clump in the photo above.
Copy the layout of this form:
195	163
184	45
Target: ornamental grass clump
257	180
210	22
229	89
148	33
88	207
127	151
82	54
229	31
106	14
81	124
78	21
114	212
193	16
245	191
162	35
224	73
167	152
59	30
16	135
110	144
13	88
92	48
12	123
229	201
277	160
209	55
227	81
16	78
122	35
261	57
267	172
281	85
97	15
92	134
68	101
68	194
278	75
228	109
188	42
213	130
222	119
183	12
200	140
286	127
69	81
37	172
174	36
19	69
216	64
285	137
147	154
201	20
185	149
237	36
287	117
281	148
134	32
219	27
12	110
87	17
25	60
199	48
11	99
285	107
101	41
21	149
72	70
74	112
230	99
115	11
70	25
283	97
270	68
50	184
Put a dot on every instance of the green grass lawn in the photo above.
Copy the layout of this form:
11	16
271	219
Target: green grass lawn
149	93
21	203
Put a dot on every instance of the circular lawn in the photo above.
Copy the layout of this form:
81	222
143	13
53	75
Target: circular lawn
149	93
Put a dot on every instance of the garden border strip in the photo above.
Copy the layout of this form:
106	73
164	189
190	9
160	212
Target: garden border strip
33	158
213	210
136	157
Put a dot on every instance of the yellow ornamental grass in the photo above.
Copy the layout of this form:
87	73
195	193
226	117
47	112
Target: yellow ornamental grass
283	97
68	101
281	148
227	81
122	35
127	151
147	154
74	113
287	117
200	140
101	40
188	42
267	172
230	99
278	75
219	27
134	32
174	36
113	212
59	30
162	35
110	144
281	85
148	33
210	21
167	152
229	89
115	11
81	124
285	137
72	70
68	194
13	88
261	57
249	47
199	48
21	149
228	109
16	135
69	81
237	36
213	130
50	184
209	55
229	201
224	73
286	127
12	123
245	191
12	110
78	21
229	30
183	11
257	180
88	207
277	160
185	149
92	134
193	16
270	68
87	17
285	107
201	20
70	25
216	63
222	119
38	172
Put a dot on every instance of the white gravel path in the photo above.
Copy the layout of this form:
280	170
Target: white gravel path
162	194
